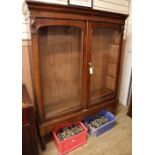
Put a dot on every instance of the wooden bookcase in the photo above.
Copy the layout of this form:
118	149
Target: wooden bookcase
75	62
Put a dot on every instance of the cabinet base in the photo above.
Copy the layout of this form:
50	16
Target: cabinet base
50	125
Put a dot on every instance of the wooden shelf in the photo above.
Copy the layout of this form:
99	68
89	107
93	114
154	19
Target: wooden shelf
99	94
62	107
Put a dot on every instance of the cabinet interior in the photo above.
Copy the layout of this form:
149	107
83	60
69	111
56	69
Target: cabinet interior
60	49
104	60
61	61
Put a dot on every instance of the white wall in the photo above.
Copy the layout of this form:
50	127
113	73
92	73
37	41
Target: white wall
25	22
119	6
127	62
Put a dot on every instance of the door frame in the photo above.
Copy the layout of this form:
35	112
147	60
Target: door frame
91	26
35	62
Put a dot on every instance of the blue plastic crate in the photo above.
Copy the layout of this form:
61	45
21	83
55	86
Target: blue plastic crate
98	131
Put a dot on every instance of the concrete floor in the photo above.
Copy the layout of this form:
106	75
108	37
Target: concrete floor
117	141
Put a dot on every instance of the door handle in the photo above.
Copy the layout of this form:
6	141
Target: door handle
91	69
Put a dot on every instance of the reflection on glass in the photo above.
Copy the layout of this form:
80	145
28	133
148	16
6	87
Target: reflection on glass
104	58
61	68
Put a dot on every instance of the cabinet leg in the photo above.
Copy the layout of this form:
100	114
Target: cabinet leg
43	143
115	107
114	111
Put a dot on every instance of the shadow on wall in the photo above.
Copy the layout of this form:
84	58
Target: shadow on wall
127	62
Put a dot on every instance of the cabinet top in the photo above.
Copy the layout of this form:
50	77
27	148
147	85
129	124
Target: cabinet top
42	9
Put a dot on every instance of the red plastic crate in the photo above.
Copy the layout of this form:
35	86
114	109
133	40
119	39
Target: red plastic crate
71	142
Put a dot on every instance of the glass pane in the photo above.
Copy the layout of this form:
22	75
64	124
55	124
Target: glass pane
61	68
104	58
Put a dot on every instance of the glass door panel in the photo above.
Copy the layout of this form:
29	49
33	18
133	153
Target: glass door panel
104	59
61	68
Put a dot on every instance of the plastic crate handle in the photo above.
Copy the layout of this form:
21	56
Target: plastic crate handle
73	140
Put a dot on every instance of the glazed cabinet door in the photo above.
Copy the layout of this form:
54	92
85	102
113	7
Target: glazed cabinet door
60	44
104	54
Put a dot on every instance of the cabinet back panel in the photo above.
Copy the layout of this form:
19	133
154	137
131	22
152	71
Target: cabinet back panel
61	68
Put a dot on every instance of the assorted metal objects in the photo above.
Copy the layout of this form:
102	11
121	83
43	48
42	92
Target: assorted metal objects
69	131
98	121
